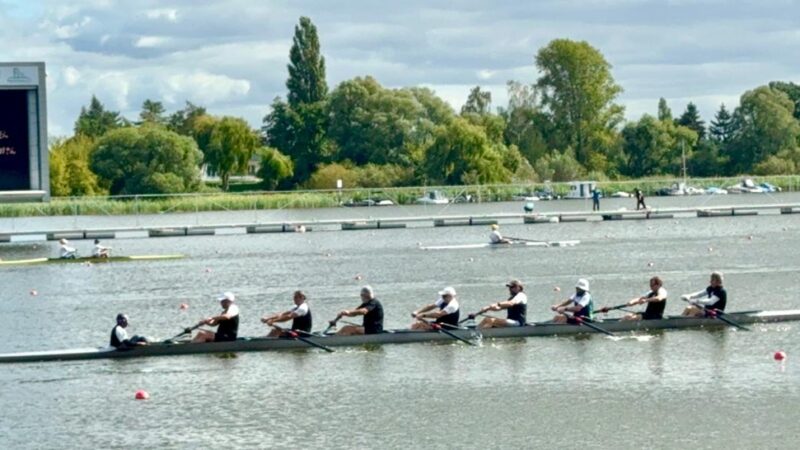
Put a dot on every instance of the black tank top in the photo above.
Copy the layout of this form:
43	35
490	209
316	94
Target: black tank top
373	319
450	319
227	329
517	312
719	291
303	323
654	310
115	342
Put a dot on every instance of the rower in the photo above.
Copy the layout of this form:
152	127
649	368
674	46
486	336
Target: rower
444	311
579	304
516	306
656	299
119	337
100	251
66	251
227	322
300	315
495	237
370	308
714	297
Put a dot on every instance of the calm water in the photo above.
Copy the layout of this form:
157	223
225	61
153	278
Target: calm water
697	389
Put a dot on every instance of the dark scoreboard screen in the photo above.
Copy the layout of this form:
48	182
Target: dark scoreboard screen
14	150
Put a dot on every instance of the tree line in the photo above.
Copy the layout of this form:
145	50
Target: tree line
565	125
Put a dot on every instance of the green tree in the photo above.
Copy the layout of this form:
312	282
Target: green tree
69	168
765	127
183	120
723	126
578	93
691	119
478	102
306	81
96	121
326	175
525	125
230	148
275	167
146	160
707	160
152	113
664	113
558	166
460	152
792	91
655	147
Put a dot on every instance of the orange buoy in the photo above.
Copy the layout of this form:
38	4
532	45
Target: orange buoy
142	395
780	355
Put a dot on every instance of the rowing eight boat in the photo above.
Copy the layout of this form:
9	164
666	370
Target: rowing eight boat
397	337
91	259
515	244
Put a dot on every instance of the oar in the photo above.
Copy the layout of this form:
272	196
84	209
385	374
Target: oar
440	329
470	317
717	314
606	309
522	239
585	321
295	334
185	331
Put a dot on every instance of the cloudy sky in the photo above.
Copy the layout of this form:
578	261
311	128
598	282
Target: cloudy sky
231	56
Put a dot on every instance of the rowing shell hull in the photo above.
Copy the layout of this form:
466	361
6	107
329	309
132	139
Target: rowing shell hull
22	262
397	337
516	244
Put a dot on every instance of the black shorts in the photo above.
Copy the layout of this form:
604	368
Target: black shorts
651	316
224	337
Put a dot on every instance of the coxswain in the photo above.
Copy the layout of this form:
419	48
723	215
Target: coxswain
100	251
516	307
495	237
444	311
119	336
714	298
579	304
656	299
370	308
66	251
227	322
300	315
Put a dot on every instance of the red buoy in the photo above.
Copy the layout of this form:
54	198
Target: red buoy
142	395
780	355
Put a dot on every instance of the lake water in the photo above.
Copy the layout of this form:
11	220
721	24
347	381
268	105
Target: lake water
675	389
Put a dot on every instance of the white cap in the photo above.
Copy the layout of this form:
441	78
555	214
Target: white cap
448	291
227	296
583	284
62	241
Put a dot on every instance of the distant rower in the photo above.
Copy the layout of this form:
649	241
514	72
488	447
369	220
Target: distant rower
656	299
495	237
516	306
100	251
227	322
370	308
444	310
67	252
300	316
713	297
119	337
579	304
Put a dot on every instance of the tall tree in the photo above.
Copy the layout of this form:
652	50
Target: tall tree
230	148
526	126
152	112
792	90
478	102
664	113
578	92
306	81
69	168
182	121
691	119
722	126
96	121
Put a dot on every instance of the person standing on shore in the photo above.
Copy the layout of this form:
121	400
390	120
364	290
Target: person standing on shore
596	200
639	199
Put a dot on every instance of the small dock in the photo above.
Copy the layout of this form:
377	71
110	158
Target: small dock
355	224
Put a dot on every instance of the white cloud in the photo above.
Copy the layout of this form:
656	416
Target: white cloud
170	15
205	88
71	76
150	41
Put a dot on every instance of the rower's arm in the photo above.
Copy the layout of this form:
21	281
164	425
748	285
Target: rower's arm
701	298
422	311
357	312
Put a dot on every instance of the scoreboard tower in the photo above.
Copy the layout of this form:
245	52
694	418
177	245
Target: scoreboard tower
24	168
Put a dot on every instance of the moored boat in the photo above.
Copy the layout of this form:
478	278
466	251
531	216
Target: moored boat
90	259
400	337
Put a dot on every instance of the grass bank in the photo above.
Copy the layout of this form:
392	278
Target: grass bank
156	204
